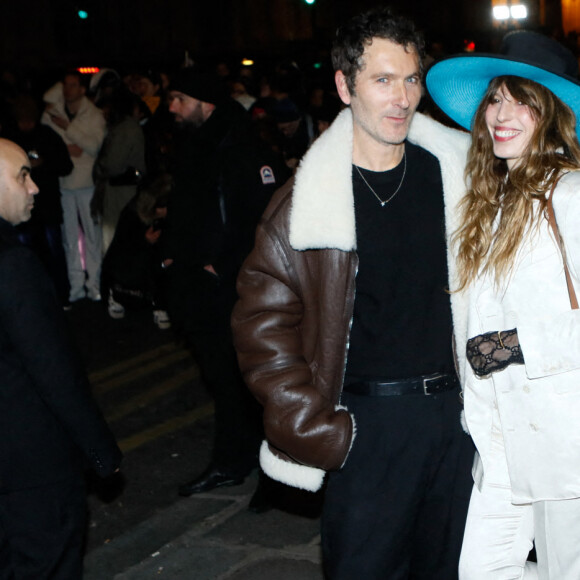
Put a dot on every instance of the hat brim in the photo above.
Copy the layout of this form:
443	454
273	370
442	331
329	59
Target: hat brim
458	84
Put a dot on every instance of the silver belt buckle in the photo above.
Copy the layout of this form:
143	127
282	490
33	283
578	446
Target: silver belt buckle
431	378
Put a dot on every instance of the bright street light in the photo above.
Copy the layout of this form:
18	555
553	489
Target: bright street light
501	12
506	11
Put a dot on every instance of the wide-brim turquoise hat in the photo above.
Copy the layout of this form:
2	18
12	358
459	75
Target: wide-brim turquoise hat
457	84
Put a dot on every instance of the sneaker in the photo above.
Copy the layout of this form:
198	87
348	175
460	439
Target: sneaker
161	319
116	310
94	295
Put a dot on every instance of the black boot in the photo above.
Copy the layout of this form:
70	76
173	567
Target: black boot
211	478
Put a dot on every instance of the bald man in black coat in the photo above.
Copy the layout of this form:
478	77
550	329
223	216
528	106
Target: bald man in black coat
50	427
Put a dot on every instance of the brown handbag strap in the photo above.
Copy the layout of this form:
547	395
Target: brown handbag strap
554	226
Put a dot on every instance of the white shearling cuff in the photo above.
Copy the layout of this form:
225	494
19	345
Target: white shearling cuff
292	474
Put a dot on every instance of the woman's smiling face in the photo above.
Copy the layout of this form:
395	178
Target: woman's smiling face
511	126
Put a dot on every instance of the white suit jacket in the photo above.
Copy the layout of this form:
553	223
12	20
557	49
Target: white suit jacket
538	402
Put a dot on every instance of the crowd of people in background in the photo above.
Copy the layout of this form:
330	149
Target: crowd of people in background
102	146
151	186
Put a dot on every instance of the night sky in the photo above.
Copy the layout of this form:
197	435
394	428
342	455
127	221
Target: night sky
48	33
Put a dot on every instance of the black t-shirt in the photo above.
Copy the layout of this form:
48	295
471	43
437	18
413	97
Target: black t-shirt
402	314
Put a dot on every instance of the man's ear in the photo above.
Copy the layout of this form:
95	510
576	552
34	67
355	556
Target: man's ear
207	109
342	87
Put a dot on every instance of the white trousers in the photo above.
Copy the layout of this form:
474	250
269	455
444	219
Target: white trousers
76	207
499	534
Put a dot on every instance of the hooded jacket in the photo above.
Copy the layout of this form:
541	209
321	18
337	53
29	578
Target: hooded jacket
296	295
87	130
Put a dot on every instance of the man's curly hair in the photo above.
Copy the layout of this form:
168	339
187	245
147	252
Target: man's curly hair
353	37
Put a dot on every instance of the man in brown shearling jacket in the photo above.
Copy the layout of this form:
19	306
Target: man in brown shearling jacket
362	384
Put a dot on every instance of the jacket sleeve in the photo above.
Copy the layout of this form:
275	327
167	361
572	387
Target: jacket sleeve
41	344
551	342
56	155
87	131
302	426
123	147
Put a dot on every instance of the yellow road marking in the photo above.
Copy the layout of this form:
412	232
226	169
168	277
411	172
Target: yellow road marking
137	373
148	396
135	441
112	370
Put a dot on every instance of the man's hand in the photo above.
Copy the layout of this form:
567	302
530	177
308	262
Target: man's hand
209	268
152	235
74	150
60	121
494	351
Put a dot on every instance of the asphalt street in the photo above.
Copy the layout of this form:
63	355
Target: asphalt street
148	386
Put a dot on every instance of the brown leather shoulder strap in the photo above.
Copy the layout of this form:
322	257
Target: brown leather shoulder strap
554	226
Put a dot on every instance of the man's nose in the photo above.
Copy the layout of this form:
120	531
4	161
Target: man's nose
402	98
33	188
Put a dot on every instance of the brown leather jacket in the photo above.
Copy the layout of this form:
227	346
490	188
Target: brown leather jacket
291	327
296	294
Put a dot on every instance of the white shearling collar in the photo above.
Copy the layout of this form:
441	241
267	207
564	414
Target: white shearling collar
322	212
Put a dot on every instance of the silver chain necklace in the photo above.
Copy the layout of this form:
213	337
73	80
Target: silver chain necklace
384	202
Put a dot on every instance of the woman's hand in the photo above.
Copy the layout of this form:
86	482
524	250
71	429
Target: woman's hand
494	351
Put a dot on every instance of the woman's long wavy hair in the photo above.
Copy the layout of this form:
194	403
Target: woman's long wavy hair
486	243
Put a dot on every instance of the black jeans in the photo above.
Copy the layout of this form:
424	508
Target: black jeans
397	509
200	305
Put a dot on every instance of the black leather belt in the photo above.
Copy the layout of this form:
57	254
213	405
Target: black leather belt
423	385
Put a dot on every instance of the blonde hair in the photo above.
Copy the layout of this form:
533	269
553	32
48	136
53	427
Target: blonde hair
486	243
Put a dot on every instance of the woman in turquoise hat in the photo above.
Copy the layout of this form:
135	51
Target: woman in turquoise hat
520	357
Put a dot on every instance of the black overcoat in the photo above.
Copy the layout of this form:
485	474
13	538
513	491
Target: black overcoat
50	426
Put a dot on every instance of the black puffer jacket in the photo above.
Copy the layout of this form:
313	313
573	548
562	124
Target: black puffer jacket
221	190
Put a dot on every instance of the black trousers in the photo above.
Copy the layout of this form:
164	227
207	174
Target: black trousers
397	509
201	306
42	532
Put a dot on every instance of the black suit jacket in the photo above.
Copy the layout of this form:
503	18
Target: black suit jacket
50	426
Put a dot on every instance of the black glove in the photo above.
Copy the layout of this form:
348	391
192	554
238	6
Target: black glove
494	351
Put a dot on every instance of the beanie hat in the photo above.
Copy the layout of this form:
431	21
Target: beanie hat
202	86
